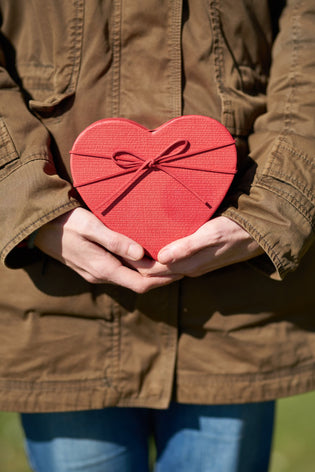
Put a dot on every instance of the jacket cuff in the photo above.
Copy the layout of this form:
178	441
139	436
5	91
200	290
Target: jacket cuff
278	212
37	195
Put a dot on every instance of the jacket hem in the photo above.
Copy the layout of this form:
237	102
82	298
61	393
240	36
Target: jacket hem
22	397
217	390
190	389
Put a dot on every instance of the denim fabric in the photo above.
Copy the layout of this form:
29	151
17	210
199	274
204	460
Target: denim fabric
188	438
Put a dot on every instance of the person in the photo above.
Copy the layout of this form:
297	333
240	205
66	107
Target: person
102	348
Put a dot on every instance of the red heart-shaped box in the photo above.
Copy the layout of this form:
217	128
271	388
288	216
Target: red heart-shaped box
154	186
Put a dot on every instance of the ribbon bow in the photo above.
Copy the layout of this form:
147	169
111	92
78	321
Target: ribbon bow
140	167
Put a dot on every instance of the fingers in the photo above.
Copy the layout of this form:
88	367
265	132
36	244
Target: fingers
80	241
217	233
127	278
218	243
139	283
100	255
188	246
98	266
93	229
148	267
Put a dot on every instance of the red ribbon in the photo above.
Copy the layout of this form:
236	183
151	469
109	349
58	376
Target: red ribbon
140	167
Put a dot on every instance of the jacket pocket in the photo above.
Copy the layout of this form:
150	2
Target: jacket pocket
290	174
43	93
242	42
48	63
8	152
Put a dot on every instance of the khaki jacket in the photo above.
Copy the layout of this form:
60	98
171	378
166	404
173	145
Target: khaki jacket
234	335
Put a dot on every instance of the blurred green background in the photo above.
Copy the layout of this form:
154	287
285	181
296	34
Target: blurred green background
293	445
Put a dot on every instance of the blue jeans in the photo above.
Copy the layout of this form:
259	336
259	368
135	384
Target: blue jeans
188	438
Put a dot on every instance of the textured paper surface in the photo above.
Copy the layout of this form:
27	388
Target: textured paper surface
154	186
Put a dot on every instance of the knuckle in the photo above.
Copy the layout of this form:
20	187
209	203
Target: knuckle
143	287
98	274
91	279
141	290
183	251
189	247
90	226
145	273
113	243
87	226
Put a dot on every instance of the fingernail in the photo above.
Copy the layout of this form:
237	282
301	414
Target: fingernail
135	252
165	256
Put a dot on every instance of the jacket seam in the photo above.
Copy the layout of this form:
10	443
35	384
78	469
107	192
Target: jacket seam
270	169
291	96
116	57
261	241
45	218
28	159
7	145
217	48
76	32
227	113
73	56
291	150
68	385
271	376
175	8
292	200
75	386
298	185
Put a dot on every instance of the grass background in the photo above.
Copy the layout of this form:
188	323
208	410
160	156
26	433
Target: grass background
293	445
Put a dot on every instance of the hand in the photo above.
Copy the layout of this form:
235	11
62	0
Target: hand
81	241
218	243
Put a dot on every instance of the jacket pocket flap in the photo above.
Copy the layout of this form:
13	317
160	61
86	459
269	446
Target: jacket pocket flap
8	152
49	105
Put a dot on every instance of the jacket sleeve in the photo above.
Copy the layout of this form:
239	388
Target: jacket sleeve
278	210
31	192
